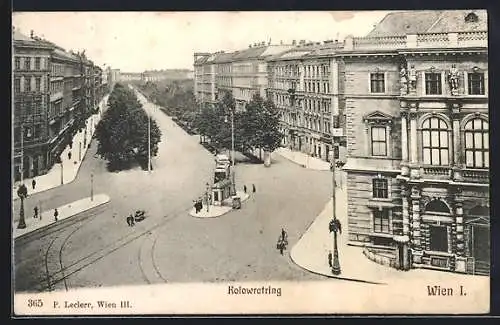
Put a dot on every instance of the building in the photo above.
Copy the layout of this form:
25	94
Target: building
416	92
130	76
304	84
31	96
55	91
167	74
243	73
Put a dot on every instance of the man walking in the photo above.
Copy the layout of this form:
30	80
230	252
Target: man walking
245	189
56	214
253	188
330	258
69	155
35	210
33	183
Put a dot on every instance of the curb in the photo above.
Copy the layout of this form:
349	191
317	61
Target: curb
216	216
323	274
55	224
301	165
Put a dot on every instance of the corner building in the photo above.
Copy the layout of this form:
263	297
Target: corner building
418	141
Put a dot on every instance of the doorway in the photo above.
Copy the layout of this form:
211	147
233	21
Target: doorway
481	248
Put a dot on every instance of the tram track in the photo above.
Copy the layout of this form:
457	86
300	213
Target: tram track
95	256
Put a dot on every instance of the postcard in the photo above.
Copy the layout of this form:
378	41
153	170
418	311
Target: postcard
223	163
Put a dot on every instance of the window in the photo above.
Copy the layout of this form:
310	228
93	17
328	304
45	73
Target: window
27	63
438	238
435	142
381	221
379	141
38	84
433	83
17	85
380	188
377	82
476	83
27	83
37	63
477	144
18	63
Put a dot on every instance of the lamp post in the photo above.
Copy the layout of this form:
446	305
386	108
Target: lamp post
62	171
233	185
334	225
149	143
92	186
207	197
22	154
79	151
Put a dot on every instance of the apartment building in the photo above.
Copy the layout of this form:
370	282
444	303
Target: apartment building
243	73
54	91
31	96
416	92
305	84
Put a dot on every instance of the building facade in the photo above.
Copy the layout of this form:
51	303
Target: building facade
53	91
416	92
31	97
305	84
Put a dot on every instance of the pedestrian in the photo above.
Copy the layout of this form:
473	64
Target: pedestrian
253	188
35	210
69	155
56	214
330	258
33	183
245	189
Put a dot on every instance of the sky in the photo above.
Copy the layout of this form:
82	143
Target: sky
138	41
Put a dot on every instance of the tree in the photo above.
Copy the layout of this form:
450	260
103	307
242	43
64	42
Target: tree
123	131
261	124
22	193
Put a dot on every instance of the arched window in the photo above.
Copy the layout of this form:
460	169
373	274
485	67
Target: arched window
435	146
476	140
437	206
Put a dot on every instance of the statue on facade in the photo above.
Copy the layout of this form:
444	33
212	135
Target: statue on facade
453	79
403	74
412	78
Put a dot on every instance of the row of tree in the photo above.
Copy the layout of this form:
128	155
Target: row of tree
123	131
255	127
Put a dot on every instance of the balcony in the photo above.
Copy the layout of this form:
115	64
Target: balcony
418	41
476	175
56	96
436	172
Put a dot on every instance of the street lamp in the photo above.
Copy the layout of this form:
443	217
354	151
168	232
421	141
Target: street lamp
334	225
207	196
92	186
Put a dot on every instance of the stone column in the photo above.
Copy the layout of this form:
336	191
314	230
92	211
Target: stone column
404	138
413	139
416	234
405	212
459	221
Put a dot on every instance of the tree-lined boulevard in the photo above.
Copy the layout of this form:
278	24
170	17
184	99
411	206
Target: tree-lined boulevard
98	248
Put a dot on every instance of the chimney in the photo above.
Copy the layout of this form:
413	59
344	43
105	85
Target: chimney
281	42
294	42
31	34
302	41
250	46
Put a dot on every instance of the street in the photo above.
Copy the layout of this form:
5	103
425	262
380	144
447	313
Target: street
97	248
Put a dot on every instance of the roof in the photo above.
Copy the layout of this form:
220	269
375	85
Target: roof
20	38
429	21
223	57
455	21
260	52
406	22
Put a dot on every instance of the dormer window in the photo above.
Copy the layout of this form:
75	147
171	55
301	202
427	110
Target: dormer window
471	18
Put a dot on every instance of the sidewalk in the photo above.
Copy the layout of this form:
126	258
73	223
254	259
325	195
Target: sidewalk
302	159
70	167
311	253
217	211
65	211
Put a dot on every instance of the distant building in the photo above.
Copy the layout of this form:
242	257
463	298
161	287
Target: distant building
168	74
243	73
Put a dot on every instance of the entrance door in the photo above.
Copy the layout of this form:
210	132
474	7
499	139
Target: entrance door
481	248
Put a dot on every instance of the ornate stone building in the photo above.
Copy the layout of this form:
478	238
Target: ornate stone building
418	142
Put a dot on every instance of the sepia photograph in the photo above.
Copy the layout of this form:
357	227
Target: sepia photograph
281	162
